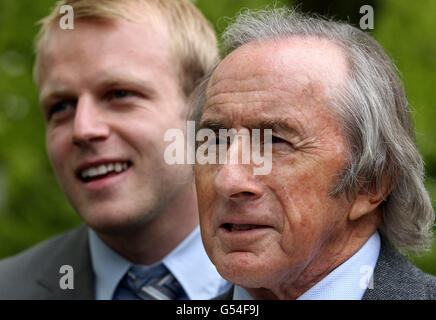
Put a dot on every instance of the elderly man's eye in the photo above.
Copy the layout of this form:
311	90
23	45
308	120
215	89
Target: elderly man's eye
275	139
220	140
279	143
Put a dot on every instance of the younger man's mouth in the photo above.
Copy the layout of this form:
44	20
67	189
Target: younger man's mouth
104	170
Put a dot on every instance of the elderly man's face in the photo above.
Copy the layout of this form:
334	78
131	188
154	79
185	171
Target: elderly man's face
263	231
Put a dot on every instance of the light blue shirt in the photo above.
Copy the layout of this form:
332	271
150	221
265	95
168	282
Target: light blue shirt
188	263
349	281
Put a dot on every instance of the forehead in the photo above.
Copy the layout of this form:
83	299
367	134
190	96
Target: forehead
315	59
293	75
107	44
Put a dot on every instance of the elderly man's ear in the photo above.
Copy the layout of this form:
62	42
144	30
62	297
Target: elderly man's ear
367	201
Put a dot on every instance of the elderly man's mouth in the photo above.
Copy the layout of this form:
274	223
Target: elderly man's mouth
231	227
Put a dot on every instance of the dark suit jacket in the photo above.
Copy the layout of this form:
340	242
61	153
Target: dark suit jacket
395	278
34	274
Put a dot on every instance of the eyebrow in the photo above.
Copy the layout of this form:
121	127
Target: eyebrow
214	125
61	91
119	81
278	125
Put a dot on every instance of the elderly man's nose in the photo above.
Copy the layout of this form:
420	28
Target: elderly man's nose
235	180
89	124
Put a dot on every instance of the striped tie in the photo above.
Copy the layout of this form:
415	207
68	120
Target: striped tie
150	284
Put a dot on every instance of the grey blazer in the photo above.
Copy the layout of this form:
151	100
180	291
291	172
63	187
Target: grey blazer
35	273
395	278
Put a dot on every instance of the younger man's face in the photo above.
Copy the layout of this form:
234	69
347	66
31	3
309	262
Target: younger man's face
109	91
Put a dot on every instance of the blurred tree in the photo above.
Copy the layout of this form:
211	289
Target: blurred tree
406	32
33	207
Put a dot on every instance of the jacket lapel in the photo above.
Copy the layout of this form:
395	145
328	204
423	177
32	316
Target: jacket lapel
394	278
71	250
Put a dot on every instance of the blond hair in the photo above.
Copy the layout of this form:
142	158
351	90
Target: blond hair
193	40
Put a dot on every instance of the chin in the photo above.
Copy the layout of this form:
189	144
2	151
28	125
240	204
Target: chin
111	221
244	269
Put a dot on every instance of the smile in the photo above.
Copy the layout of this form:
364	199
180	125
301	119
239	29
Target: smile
103	170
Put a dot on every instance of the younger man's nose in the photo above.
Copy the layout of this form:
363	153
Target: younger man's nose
89	123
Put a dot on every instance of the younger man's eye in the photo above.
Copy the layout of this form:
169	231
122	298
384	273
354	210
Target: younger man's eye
119	94
60	107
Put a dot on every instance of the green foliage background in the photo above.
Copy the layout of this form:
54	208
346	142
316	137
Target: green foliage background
32	207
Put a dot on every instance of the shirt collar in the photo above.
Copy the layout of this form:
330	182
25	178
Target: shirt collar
188	263
349	281
191	266
109	267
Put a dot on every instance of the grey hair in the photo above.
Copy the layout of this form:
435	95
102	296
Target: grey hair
372	108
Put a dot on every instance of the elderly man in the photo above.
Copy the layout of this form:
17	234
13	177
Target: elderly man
345	187
110	89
